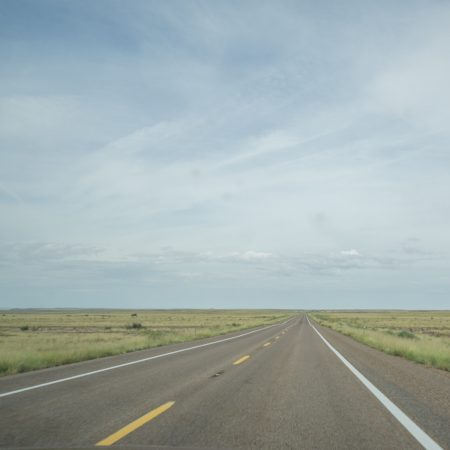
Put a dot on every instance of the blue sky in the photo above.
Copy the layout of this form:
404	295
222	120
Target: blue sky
224	154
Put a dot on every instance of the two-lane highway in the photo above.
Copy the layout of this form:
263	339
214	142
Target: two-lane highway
277	387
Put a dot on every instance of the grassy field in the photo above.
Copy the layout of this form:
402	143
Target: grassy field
31	340
421	336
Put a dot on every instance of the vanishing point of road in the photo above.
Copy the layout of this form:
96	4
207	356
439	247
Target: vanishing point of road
293	385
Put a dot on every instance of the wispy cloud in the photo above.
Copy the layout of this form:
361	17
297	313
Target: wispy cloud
177	144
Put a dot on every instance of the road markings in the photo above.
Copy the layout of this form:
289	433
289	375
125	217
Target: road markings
113	438
241	360
277	337
426	441
267	344
138	361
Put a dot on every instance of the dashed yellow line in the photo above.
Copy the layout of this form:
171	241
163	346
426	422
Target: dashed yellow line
134	425
267	344
241	360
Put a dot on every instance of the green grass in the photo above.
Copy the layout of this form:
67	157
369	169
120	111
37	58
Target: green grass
31	340
421	336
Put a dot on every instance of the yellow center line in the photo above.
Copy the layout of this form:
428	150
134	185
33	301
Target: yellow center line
113	438
241	360
277	337
267	344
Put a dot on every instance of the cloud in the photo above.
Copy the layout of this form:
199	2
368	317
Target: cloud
246	256
351	252
251	255
70	260
178	144
17	254
413	83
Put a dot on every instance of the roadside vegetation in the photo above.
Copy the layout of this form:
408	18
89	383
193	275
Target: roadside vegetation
31	340
421	336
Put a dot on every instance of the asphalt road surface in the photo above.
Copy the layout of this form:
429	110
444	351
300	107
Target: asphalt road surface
280	387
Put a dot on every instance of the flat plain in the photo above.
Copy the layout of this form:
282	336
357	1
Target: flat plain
421	336
282	386
37	339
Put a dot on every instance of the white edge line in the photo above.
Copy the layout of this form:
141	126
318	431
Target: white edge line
105	369
426	441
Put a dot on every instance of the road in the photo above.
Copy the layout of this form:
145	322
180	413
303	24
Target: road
280	387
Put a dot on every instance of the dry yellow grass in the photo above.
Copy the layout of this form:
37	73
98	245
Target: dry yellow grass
36	339
421	336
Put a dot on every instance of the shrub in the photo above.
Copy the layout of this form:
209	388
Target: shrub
24	327
406	334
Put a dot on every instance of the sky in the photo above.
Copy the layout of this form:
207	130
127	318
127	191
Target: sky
235	154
